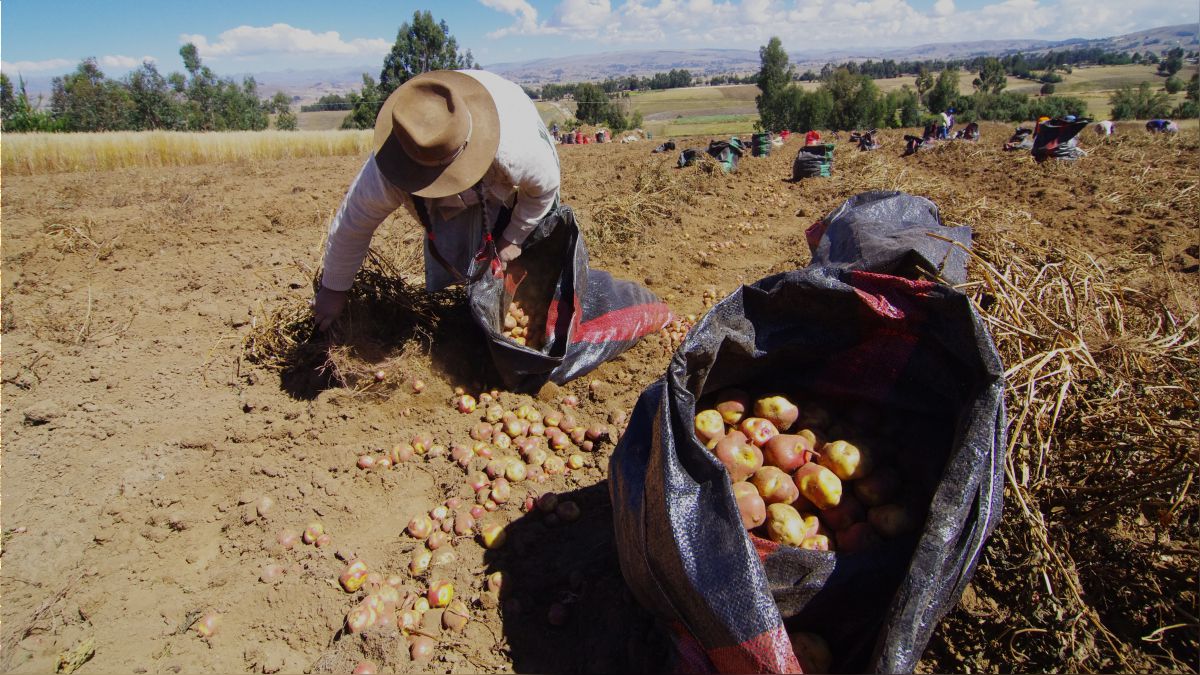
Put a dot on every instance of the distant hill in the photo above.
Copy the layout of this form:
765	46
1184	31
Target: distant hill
601	66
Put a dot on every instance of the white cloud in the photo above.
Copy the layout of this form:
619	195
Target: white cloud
526	24
127	62
281	38
943	8
36	66
587	15
806	25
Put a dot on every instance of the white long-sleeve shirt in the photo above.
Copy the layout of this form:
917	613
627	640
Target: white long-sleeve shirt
525	168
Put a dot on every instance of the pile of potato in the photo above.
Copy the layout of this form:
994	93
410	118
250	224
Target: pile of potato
797	481
516	326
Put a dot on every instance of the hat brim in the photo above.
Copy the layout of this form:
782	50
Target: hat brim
467	168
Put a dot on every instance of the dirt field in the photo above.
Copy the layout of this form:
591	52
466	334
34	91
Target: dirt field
137	438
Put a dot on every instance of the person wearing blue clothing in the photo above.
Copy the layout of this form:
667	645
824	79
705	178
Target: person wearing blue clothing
1160	126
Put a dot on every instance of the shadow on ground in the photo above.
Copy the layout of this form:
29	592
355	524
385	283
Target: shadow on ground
547	562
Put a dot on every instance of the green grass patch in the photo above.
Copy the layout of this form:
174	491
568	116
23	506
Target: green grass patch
704	125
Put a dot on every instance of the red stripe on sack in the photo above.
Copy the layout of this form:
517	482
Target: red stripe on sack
769	652
763	547
627	323
814	233
691	657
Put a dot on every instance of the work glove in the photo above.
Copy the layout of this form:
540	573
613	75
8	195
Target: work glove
327	306
507	250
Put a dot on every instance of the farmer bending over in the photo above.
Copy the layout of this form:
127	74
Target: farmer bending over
460	149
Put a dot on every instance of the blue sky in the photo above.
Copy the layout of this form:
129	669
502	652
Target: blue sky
44	37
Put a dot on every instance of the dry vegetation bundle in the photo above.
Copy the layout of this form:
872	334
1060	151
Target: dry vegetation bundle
384	310
1102	404
626	217
48	153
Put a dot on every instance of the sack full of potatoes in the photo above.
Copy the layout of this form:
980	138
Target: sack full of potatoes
809	486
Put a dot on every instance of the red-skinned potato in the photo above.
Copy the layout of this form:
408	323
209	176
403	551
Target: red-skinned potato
493	535
786	526
400	453
880	487
568	512
437	540
787	451
313	532
845	459
810	435
709	425
353	577
421	648
892	520
779	410
847	512
740	457
775	486
365	668
420	562
733	404
208	625
360	618
750	505
456	616
440	593
818	485
420	527
758	430
817	542
464	523
812	651
858	538
501	490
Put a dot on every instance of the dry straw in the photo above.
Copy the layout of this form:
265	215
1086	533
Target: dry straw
52	153
1103	391
383	310
626	217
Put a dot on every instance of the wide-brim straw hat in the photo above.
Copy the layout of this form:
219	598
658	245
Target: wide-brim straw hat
437	134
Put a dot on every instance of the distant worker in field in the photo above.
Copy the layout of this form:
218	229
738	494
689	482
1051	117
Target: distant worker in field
812	138
1162	127
1106	128
467	153
947	124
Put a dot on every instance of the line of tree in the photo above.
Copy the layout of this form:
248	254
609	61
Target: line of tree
328	102
420	46
144	100
675	79
1041	67
847	99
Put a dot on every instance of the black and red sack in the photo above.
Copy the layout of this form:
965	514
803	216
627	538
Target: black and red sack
849	335
582	317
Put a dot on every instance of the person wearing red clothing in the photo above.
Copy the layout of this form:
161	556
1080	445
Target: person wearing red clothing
812	138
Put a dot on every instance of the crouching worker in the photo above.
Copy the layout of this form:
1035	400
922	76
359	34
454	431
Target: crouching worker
466	152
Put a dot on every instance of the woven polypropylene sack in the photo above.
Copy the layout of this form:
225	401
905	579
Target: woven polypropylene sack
591	318
1053	139
808	164
890	232
917	349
